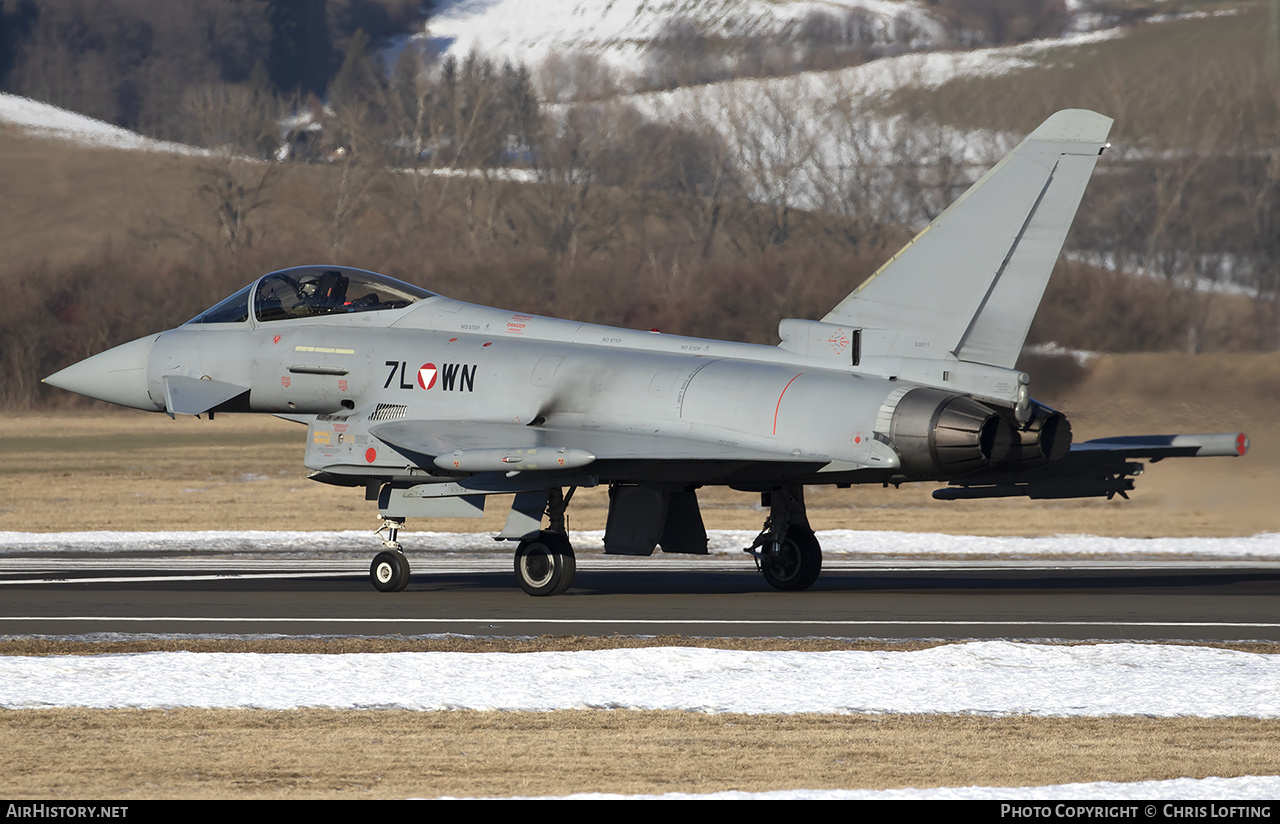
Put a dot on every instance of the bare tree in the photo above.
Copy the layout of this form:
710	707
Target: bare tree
576	76
234	192
237	119
851	181
706	192
565	211
681	55
352	198
775	136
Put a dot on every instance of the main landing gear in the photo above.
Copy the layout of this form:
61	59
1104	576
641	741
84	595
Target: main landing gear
544	562
787	552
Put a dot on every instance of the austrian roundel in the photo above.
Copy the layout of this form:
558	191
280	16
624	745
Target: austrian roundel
427	375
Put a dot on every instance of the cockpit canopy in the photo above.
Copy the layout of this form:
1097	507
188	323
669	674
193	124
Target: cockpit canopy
308	291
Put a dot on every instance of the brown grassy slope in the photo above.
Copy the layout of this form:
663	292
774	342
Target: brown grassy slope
1165	83
67	204
62	202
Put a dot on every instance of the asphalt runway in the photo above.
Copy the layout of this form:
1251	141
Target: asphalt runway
1025	600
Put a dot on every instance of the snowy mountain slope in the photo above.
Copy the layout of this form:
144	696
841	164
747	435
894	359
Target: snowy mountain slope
620	31
807	132
43	120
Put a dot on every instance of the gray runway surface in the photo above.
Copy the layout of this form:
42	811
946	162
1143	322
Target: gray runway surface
1089	600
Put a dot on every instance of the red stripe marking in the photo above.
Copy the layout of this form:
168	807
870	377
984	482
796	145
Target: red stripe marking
779	405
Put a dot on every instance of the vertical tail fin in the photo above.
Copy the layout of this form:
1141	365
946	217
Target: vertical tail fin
969	285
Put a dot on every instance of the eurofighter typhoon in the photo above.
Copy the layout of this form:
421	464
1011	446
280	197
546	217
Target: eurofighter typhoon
431	405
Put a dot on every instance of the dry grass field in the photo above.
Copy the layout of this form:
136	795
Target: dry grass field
131	754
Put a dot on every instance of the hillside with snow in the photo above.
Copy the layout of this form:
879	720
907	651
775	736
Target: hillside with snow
45	121
621	31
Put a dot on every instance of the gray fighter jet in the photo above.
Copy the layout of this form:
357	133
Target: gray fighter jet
431	405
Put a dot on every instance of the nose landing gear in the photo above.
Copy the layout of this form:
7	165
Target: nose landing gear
389	571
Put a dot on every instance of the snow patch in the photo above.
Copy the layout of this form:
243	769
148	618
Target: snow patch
726	542
620	31
50	122
980	678
1184	789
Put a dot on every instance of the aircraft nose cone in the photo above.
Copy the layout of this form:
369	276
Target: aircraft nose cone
117	375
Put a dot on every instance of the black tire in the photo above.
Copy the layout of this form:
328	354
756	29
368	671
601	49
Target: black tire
545	565
389	571
797	565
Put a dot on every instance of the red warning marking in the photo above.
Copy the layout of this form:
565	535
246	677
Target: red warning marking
342	386
453	340
427	375
857	438
779	405
1242	444
490	343
285	381
370	455
275	340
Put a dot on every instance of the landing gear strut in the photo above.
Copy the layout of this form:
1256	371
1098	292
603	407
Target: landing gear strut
389	571
787	552
544	563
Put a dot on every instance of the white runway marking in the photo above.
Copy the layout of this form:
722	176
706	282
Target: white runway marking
54	571
136	579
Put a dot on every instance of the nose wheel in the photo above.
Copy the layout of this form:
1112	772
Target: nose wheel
545	564
389	571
